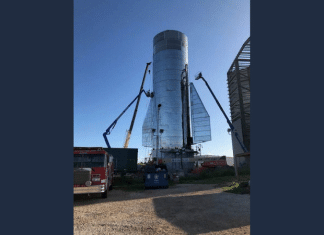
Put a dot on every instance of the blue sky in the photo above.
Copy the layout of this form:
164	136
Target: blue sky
113	41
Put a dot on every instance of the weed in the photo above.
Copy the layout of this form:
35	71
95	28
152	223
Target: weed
216	176
238	188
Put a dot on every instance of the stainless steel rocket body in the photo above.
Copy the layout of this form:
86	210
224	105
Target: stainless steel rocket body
170	55
166	128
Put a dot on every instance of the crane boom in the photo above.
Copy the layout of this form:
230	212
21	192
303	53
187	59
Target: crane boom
199	76
112	125
129	132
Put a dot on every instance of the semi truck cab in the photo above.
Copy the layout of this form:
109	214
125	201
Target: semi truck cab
93	171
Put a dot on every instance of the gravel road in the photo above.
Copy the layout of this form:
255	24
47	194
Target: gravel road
180	209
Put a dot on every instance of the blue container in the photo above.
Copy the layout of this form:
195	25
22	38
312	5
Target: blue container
156	180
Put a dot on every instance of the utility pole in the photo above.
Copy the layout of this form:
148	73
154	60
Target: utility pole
158	135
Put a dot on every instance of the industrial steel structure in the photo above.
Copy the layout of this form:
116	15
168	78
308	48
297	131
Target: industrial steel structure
166	128
238	81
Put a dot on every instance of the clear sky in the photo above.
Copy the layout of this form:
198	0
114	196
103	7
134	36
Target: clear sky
113	41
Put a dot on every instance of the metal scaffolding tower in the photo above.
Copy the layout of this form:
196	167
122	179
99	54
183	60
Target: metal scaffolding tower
238	81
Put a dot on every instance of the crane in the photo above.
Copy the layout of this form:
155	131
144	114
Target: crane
129	132
112	125
199	76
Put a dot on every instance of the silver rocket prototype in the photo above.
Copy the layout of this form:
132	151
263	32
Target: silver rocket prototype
167	123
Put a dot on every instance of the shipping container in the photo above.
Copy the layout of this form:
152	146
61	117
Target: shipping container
125	159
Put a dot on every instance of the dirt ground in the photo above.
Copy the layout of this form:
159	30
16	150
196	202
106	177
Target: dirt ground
180	209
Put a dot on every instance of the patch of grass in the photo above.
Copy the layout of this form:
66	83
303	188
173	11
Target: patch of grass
171	183
238	188
130	184
208	175
213	180
233	186
216	176
244	171
221	177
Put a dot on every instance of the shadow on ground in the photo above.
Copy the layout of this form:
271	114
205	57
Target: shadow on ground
199	214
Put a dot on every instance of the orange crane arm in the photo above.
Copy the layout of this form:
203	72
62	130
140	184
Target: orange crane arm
129	132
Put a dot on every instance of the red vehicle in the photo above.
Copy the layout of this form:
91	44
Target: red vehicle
93	171
210	164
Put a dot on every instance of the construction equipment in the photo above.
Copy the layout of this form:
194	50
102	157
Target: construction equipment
129	132
199	76
112	125
210	164
215	163
93	171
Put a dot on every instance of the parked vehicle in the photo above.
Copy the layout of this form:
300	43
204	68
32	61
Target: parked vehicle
93	171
